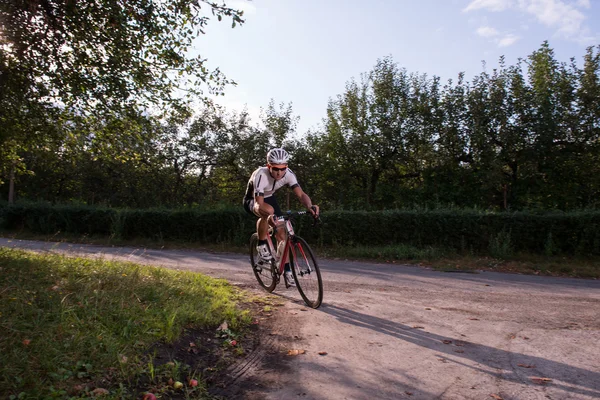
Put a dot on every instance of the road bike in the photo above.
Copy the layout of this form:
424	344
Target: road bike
294	251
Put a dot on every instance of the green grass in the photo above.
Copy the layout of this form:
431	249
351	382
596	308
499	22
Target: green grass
386	253
67	323
500	258
448	260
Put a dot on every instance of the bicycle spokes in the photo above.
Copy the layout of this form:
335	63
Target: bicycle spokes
307	274
265	273
304	264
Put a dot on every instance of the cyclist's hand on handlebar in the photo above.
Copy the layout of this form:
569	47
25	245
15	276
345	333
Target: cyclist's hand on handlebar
314	210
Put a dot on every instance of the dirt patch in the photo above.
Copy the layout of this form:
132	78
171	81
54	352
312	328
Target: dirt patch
244	365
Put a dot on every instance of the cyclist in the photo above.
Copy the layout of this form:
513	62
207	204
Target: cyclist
259	201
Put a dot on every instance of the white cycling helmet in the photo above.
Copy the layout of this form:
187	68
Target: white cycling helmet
277	156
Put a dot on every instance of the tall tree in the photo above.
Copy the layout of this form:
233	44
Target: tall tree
103	56
108	52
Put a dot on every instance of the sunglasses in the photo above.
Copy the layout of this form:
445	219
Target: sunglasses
278	169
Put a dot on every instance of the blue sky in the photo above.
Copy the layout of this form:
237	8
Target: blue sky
304	52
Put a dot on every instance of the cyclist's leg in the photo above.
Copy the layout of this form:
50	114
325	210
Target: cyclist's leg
280	235
263	213
272	201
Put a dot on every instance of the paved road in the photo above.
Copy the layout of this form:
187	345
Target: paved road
404	332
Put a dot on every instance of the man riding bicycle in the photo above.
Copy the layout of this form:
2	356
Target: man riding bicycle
259	201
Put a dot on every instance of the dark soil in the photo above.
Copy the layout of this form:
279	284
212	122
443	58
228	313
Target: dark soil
225	364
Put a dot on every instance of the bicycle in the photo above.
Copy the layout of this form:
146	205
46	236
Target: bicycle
301	259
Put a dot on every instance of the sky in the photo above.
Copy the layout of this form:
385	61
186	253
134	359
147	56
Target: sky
305	51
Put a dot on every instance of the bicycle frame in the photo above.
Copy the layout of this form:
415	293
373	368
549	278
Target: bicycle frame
289	234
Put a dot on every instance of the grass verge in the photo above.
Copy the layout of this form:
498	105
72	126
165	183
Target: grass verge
441	259
77	328
451	261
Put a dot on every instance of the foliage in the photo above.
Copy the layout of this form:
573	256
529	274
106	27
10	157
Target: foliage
497	233
61	60
520	137
109	52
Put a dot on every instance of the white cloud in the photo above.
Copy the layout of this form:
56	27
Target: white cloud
492	5
584	3
566	18
487	31
502	40
508	40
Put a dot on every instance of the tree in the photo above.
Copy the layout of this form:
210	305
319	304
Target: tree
279	123
108	53
112	57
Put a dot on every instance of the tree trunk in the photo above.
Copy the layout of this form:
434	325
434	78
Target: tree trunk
11	184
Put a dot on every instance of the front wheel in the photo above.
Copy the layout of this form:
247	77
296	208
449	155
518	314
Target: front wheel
306	273
265	273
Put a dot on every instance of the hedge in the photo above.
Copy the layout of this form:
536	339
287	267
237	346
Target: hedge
467	230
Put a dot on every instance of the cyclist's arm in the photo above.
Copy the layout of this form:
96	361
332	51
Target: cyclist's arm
305	200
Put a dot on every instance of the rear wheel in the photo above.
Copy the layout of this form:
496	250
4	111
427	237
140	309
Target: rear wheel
306	273
265	273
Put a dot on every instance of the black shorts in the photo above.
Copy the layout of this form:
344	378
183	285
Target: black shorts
271	200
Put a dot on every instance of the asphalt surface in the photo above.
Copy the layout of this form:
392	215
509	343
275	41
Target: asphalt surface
406	332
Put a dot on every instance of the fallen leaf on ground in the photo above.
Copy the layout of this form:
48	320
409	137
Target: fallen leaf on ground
322	353
541	381
192	344
495	396
26	342
526	365
223	326
233	342
99	392
295	352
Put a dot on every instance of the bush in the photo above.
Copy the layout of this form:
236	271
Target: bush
576	233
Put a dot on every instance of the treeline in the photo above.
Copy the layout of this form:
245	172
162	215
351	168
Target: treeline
525	136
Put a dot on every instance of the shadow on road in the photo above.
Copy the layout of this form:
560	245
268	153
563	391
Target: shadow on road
566	377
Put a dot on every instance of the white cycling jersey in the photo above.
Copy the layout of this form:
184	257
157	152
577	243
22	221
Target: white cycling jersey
261	183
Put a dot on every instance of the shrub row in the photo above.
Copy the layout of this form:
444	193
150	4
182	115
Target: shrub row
467	230
229	226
